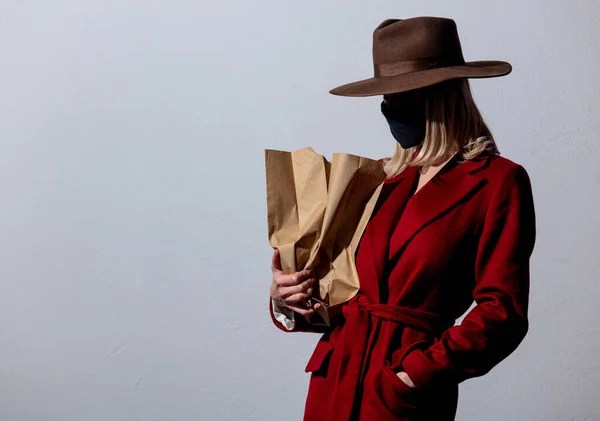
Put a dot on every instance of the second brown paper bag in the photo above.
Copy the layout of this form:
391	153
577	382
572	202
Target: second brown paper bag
317	212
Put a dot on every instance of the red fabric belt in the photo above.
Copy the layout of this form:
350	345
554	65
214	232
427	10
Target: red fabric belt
353	344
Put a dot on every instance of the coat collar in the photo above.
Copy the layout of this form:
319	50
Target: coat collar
400	220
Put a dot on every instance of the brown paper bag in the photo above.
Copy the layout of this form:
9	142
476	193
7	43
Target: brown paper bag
317	211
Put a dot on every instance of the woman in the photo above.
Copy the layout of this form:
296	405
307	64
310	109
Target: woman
454	223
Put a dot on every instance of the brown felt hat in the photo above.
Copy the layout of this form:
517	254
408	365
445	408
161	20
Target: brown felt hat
418	52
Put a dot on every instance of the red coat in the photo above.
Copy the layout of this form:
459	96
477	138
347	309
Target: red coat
466	235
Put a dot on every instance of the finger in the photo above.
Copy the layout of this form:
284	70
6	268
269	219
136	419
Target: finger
295	289
276	261
296	298
303	275
303	311
295	292
282	279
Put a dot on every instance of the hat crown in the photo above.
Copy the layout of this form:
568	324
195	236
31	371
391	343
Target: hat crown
432	41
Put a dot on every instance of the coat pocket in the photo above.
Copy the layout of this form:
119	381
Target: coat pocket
398	397
320	357
403	391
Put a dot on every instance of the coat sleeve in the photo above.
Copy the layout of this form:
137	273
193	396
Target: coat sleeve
498	323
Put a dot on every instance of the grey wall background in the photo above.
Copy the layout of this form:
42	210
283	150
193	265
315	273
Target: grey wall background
134	262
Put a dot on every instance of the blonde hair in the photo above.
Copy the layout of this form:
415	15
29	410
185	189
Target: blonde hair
454	126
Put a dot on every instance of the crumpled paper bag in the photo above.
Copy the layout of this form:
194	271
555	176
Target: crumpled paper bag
317	211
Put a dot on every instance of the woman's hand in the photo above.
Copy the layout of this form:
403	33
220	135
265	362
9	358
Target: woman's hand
290	290
404	377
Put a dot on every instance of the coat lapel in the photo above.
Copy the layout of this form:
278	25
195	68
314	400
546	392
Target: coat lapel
375	242
440	195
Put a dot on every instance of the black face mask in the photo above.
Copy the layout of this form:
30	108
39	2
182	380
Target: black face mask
406	124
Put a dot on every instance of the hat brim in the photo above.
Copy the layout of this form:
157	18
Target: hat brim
381	85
